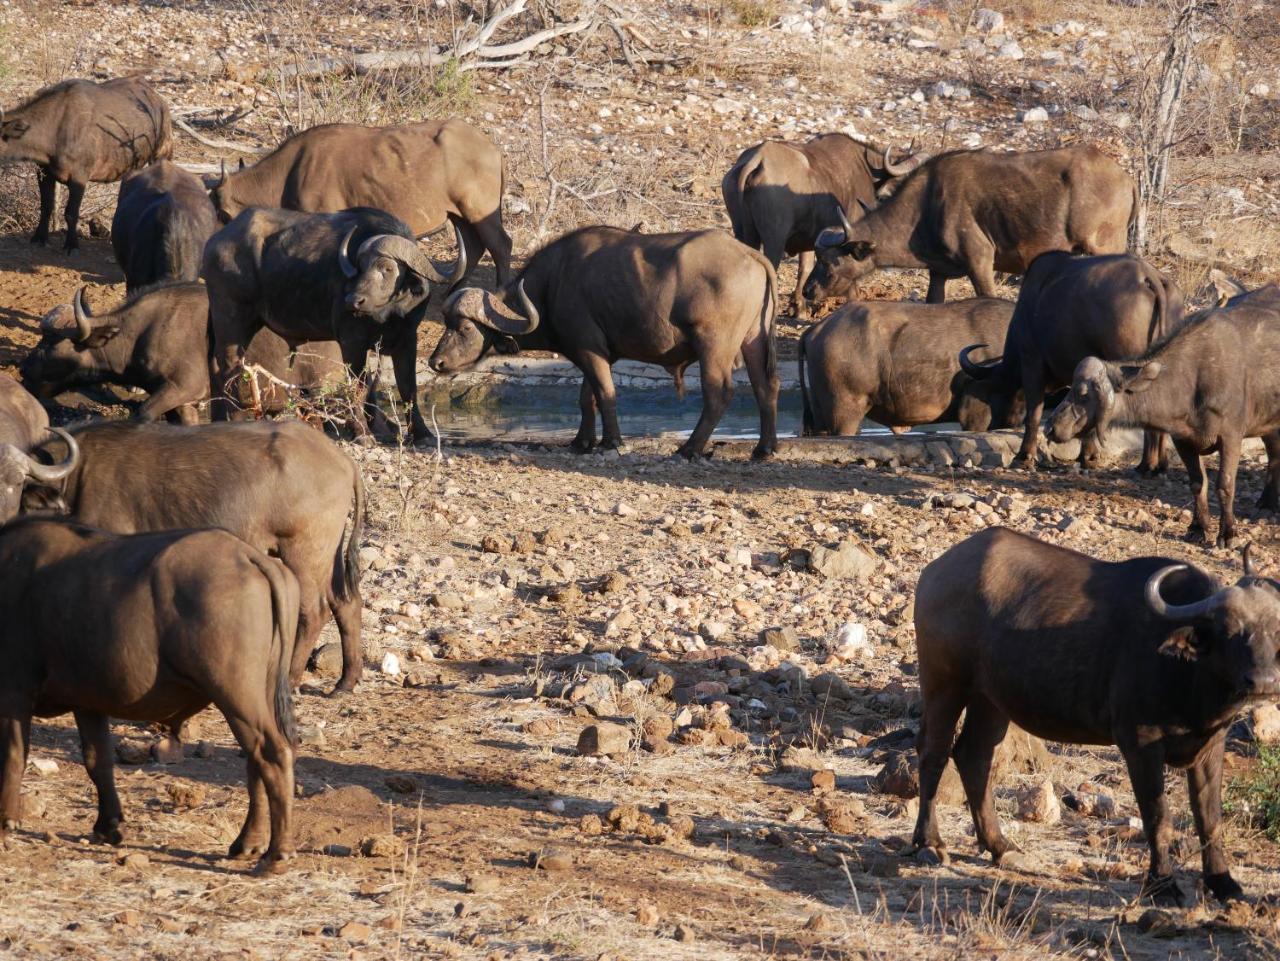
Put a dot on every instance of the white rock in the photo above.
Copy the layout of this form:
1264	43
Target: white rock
1260	90
1009	50
1035	115
1084	112
624	509
986	20
390	664
1039	803
555	806
942	89
606	660
43	766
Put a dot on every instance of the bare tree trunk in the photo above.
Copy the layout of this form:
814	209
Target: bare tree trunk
1161	133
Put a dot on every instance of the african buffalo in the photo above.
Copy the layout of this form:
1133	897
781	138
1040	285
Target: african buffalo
23	424
1070	308
154	627
600	294
1148	654
896	363
421	173
1210	385
163	219
973	212
158	341
356	277
780	195
77	132
283	488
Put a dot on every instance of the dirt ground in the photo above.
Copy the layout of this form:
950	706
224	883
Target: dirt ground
526	594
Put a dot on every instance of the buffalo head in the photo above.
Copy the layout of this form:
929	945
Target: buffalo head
390	275
221	195
65	354
18	467
1233	634
840	261
987	405
1091	403
476	321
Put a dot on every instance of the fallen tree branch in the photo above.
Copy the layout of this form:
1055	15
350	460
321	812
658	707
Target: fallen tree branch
216	144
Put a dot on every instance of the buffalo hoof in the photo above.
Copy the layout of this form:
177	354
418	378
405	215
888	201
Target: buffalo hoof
1224	887
365	440
7	825
582	447
1229	542
242	850
763	452
40	237
273	864
1023	462
109	834
342	690
1196	535
1169	890
1269	501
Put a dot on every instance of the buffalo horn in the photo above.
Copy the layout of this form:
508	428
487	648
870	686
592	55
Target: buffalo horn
491	310
413	256
904	167
222	173
844	222
83	327
48	474
344	259
973	368
1246	559
1178	612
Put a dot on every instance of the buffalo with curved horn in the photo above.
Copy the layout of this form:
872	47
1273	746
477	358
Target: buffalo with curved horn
294	273
780	196
1149	654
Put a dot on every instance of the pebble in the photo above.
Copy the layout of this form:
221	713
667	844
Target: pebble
43	766
986	20
604	738
390	664
1264	721
1039	803
1035	115
780	638
355	931
1009	50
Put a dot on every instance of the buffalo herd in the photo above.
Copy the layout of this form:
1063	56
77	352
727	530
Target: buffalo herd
160	568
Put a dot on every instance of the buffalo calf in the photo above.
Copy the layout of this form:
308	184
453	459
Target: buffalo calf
1150	654
154	627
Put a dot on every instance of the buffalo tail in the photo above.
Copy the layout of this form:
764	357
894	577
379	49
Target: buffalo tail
807	410
284	611
351	562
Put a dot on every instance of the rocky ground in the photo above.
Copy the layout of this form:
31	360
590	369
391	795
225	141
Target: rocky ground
620	707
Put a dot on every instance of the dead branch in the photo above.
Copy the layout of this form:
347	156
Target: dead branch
216	144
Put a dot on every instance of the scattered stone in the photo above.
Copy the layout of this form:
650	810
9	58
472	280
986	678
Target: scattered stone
355	931
1039	803
986	20
647	914
842	815
130	751
390	665
128	918
849	560
1264	721
624	509
493	544
401	784
819	923
43	766
1035	115
802	760
782	638
554	861
1091	804
381	846
185	795
326	659
832	687
604	738
134	861
482	884
1009	50
658	727
591	825
167	750
898	777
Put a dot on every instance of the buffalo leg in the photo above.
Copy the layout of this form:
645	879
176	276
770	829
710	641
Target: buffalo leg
1270	499
764	384
1033	392
356	357
937	733
800	306
717	392
95	745
404	362
1228	465
1155	453
15	743
228	361
847	414
270	772
48	198
586	438
595	369
1204	787
984	728
75	194
1146	772
168	398
346	611
498	242
937	288
1090	450
1190	454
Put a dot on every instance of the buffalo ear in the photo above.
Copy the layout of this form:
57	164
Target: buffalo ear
101	335
14	129
505	345
417	286
1139	378
861	249
1181	644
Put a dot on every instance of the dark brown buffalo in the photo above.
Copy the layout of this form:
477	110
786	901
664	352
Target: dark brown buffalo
1210	385
600	294
283	487
780	196
421	173
1149	654
972	212
896	362
163	219
355	277
154	627
79	132
158	341
1070	308
23	424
